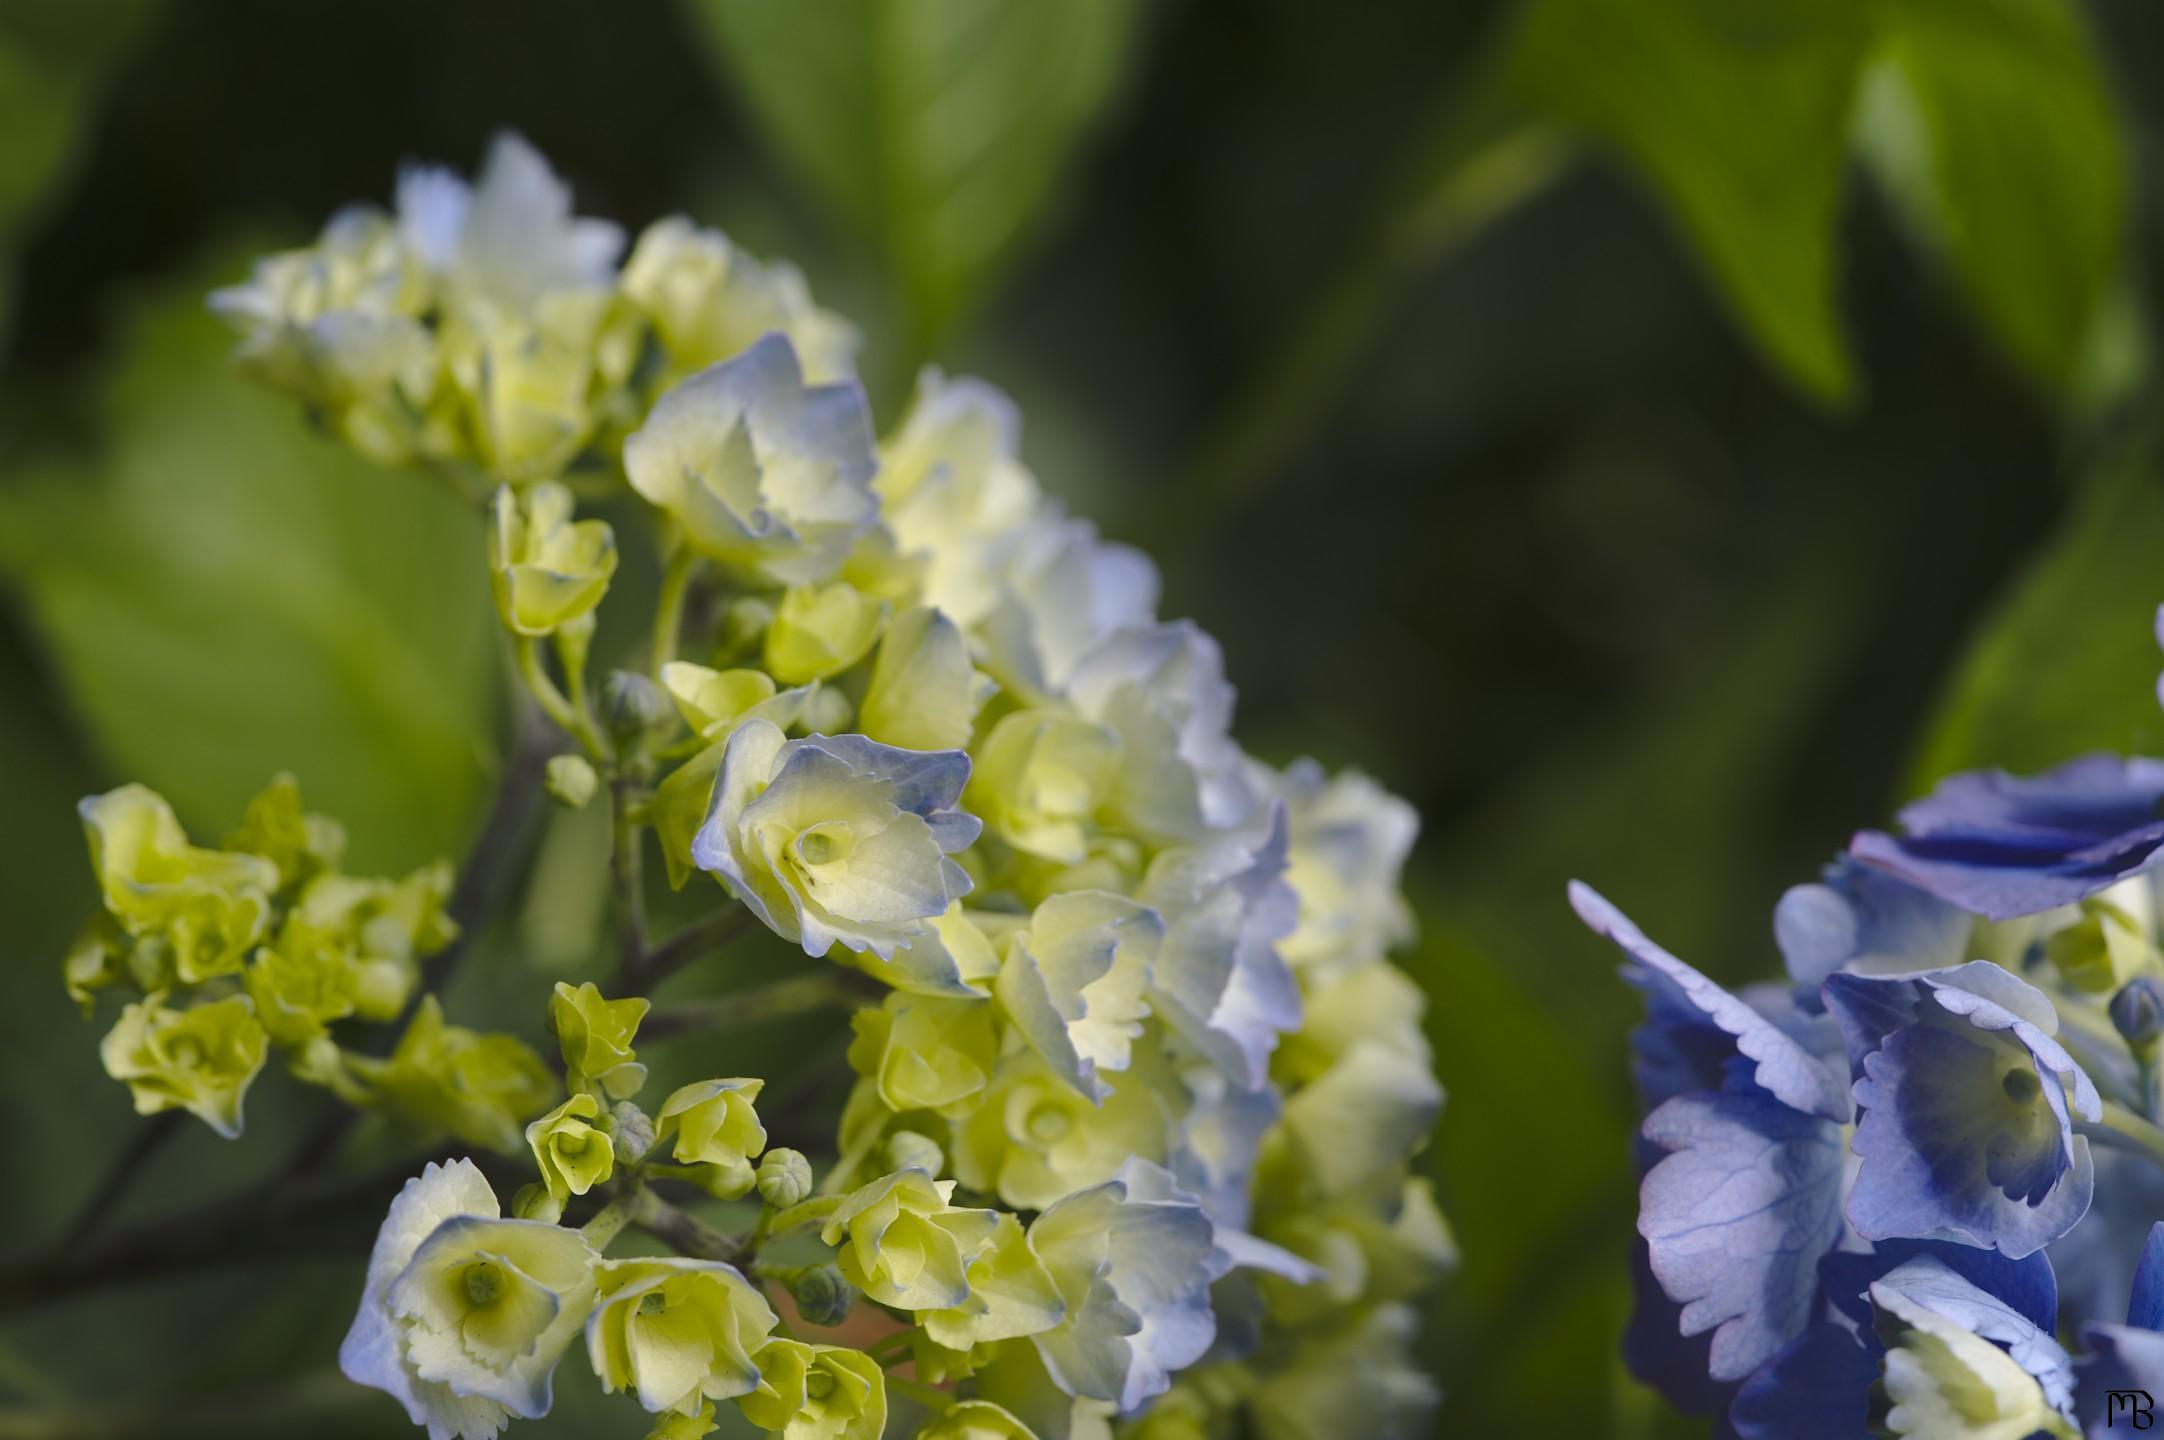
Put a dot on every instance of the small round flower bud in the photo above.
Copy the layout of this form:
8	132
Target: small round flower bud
726	1180
634	1132
570	781
908	1150
822	1296
534	1202
632	705
2138	1011
785	1178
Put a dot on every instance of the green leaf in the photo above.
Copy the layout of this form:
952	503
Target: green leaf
1990	123
938	129
1738	115
225	594
2067	662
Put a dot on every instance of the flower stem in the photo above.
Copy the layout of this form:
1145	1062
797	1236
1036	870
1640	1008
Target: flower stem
552	700
934	1400
2122	1125
669	609
685	1232
609	1221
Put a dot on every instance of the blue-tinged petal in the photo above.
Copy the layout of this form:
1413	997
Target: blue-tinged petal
1966	1133
1784	1069
1818	1387
1659	1354
2028	1285
2002	845
1736	1218
2145	1307
1928	1283
1863	921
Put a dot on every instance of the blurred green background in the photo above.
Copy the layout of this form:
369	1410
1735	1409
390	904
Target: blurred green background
1654	436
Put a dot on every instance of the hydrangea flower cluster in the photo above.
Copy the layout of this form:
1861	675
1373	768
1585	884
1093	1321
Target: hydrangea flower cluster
1136	1088
1915	1189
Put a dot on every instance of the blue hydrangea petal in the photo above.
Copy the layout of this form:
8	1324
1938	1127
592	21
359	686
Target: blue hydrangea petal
1659	1354
1935	1148
2002	846
2145	1307
1928	1282
1816	1388
1865	922
1736	1218
2028	1285
1785	1069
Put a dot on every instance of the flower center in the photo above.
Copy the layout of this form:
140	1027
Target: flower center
2021	1085
1048	1123
653	1302
818	1385
484	1282
187	1052
825	843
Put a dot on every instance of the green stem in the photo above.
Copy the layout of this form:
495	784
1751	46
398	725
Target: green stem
669	610
627	865
685	1232
811	1212
2122	1124
609	1221
931	1399
552	700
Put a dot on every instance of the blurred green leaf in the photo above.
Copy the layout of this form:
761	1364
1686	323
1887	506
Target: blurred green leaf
1739	116
225	595
2067	662
938	129
1991	123
53	53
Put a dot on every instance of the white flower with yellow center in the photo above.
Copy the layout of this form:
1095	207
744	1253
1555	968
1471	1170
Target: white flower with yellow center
836	839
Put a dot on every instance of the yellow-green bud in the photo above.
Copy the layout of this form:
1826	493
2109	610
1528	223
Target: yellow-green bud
570	781
596	1037
201	1060
574	1153
823	1295
908	1150
715	1124
548	568
785	1178
979	1420
821	630
534	1202
817	1390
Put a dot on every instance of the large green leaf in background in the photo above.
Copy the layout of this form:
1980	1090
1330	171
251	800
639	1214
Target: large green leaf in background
52	55
937	129
2067	662
1991	120
1988	121
1738	115
224	594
